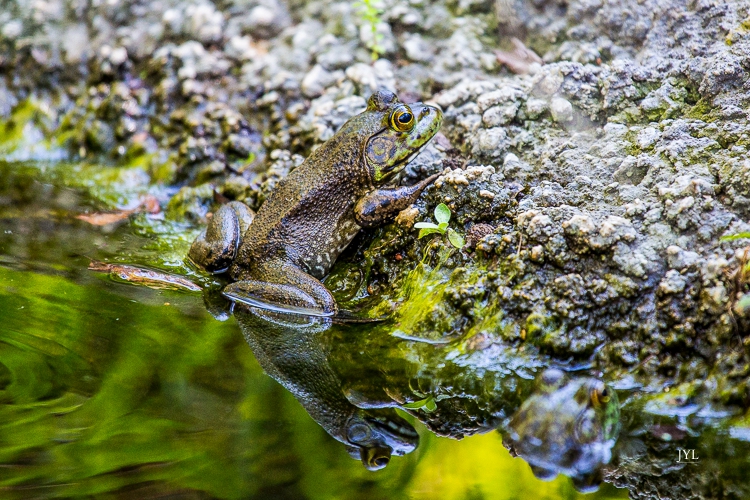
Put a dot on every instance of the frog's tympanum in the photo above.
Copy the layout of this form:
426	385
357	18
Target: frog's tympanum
294	350
567	426
278	257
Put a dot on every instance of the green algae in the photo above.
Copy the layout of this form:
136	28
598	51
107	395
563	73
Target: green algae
12	129
421	299
703	110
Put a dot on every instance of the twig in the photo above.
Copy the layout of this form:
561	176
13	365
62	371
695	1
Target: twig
520	244
642	363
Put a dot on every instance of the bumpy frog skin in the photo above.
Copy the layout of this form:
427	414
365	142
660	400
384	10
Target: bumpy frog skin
567	426
278	257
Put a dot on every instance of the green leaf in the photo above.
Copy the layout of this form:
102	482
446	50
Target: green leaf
456	239
420	225
416	405
442	213
738	236
428	405
442	227
428	230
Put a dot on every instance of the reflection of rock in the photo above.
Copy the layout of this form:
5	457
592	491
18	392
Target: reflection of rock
350	377
567	426
293	350
562	424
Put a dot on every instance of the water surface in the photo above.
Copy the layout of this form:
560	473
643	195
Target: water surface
119	391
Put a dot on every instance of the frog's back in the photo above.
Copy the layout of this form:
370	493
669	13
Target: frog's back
309	217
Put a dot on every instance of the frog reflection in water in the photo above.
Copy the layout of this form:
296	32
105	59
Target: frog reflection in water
349	379
567	426
278	257
293	350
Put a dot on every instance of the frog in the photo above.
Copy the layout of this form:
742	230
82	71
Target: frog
278	257
569	425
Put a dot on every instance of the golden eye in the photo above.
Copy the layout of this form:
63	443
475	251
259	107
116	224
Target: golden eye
599	396
402	119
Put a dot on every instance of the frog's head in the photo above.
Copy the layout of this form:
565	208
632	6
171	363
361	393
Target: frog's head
374	435
400	131
567	426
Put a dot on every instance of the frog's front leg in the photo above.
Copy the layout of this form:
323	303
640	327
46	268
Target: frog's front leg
282	286
379	206
215	248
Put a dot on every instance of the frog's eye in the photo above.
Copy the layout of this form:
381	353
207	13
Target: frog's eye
600	396
402	119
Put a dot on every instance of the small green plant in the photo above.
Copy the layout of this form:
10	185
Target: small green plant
738	236
442	216
427	404
370	12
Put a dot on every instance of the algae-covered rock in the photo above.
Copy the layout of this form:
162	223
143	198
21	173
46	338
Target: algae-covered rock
191	204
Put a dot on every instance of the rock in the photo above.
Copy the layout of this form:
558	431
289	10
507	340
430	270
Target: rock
118	56
318	79
534	108
370	78
503	95
673	282
561	109
499	115
476	233
12	29
241	48
647	137
417	49
490	142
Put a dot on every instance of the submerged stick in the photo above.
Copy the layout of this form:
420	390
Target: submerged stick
147	277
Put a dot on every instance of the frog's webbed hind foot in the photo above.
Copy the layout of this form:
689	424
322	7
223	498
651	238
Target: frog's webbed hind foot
215	248
275	297
288	289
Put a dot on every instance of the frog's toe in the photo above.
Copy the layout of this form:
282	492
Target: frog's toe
277	297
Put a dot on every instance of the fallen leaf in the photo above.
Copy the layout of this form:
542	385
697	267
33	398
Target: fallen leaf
150	204
104	218
519	61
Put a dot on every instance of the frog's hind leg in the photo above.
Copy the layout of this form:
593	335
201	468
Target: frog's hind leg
215	248
286	288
